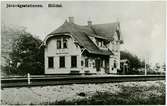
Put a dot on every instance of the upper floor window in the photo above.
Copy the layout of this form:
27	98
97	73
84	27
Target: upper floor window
64	43
58	43
50	62
61	43
97	42
100	43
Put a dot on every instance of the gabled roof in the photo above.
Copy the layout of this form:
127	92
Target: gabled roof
105	30
81	35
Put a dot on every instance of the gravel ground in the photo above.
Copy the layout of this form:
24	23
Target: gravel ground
48	94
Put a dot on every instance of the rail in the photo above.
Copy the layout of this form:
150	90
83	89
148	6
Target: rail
78	79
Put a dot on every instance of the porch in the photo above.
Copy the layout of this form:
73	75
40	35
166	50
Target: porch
94	64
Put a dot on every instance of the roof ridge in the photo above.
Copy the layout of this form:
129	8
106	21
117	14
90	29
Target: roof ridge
101	24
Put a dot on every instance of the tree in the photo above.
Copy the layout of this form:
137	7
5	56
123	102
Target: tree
9	33
134	62
26	56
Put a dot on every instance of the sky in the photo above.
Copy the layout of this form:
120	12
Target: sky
142	23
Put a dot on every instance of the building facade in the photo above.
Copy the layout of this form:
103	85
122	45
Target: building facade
89	49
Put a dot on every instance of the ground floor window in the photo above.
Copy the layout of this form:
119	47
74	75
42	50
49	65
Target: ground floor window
101	63
50	62
73	61
98	64
82	63
93	64
62	61
86	62
115	64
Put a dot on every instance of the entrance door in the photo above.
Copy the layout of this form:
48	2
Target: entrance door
106	65
97	63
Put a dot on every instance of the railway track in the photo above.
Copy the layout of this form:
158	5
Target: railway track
53	80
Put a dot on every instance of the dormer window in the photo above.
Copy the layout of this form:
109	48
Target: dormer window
58	43
64	43
100	43
97	42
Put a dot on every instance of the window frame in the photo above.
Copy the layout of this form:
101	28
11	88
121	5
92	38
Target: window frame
82	63
86	62
72	64
52	65
64	42
115	64
59	44
60	62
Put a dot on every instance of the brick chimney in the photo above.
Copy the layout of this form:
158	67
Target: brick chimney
89	23
71	19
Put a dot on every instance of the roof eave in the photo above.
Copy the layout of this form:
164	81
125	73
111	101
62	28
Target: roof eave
52	35
97	53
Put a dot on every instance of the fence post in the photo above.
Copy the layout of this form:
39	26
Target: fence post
28	75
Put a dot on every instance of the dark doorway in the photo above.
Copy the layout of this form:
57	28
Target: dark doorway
97	63
106	65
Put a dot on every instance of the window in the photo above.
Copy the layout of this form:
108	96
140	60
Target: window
62	61
50	62
97	42
61	43
101	63
90	65
64	43
86	62
58	43
100	43
82	63
115	65
93	64
73	61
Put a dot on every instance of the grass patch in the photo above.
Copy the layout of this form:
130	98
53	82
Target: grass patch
130	95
